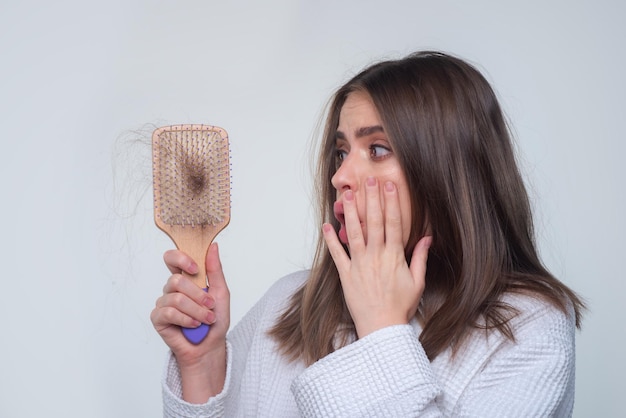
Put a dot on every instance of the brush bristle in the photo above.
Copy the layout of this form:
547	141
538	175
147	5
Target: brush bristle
193	176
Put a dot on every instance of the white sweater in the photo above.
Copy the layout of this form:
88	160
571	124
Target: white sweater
387	373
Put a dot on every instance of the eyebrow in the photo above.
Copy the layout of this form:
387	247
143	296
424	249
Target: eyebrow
361	132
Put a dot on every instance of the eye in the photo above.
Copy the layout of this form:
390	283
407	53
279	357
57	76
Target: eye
340	155
378	152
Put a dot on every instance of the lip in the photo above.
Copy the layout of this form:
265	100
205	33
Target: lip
339	215
338	212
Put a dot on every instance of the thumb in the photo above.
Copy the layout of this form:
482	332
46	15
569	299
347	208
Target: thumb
214	268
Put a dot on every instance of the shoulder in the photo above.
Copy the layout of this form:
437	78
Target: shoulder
278	296
534	312
288	285
265	312
537	326
541	329
538	364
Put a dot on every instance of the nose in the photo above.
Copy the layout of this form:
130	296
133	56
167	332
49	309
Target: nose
346	177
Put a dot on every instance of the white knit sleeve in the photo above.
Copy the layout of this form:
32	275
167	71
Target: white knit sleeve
238	346
175	406
384	374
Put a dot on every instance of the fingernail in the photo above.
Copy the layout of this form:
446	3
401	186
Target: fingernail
370	181
389	186
193	268
327	228
210	317
209	302
348	195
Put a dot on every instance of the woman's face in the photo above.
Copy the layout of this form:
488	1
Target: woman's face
364	151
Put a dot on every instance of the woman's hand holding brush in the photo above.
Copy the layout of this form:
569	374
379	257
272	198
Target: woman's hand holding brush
184	304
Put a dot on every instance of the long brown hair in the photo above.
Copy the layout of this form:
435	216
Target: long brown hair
448	132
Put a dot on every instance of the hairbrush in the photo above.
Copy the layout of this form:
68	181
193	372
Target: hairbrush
191	179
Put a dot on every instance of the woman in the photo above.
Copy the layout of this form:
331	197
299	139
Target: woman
426	296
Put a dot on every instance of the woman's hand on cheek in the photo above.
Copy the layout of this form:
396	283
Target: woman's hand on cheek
380	288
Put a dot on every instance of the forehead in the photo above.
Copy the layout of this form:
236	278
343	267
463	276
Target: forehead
357	112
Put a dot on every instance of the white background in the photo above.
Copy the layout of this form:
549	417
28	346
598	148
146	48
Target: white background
82	86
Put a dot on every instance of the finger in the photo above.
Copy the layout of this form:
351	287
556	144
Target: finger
353	223
167	316
374	214
178	262
178	283
393	216
419	258
175	307
337	252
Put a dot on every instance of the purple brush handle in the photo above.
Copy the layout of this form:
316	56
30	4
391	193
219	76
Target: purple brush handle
196	335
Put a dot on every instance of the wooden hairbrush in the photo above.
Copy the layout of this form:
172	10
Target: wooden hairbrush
191	179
